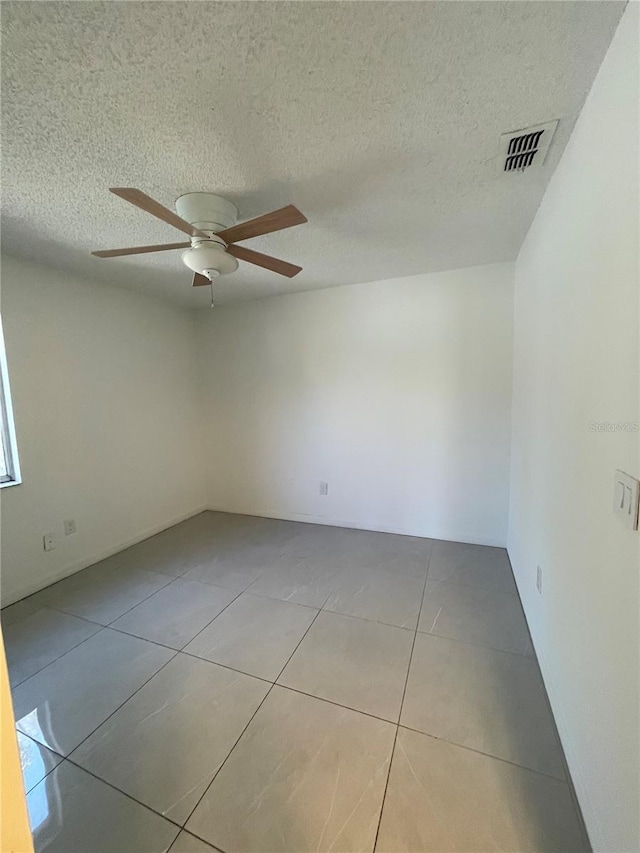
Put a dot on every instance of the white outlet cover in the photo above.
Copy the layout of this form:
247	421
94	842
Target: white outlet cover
69	526
49	541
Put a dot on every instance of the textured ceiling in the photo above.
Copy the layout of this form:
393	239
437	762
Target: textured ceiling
380	121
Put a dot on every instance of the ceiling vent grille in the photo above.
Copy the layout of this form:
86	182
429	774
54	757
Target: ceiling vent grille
526	148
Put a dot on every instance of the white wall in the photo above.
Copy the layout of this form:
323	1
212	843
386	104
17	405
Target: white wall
397	393
577	362
105	401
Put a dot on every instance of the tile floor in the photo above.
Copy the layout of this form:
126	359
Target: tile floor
251	686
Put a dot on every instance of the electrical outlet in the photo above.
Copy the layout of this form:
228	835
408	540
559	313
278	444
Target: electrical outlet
49	541
324	488
69	526
539	579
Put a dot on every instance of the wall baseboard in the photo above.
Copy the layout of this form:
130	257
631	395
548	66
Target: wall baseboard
85	562
78	565
331	521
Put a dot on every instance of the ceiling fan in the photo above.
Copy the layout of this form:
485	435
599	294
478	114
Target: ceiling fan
210	222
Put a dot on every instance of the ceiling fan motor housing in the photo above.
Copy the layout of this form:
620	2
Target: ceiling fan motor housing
208	213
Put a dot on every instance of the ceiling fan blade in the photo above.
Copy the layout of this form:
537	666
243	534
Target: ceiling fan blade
145	202
266	261
286	217
140	250
200	280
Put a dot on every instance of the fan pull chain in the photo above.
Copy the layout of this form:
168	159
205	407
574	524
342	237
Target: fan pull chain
212	303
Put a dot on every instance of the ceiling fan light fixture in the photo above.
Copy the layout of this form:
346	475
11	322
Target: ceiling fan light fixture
209	255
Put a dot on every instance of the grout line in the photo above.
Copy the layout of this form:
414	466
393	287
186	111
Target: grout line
283	600
146	598
172	578
42	746
46	606
336	704
324	608
486	754
455	582
374	621
101	628
521	655
406	682
15	685
225	666
298	645
294	690
99	631
188	832
146	639
235	598
215	776
115	711
120	791
57	610
267	694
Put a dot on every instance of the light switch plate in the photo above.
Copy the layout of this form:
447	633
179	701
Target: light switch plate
626	499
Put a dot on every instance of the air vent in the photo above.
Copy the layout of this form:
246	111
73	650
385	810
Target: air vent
526	148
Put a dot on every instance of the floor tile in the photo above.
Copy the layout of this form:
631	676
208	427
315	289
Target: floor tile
35	760
481	698
387	551
175	614
378	595
166	557
72	812
242	530
306	775
62	704
255	634
187	843
236	570
404	546
296	580
396	564
165	744
475	565
443	797
353	662
306	769
102	595
15	613
474	615
358	545
370	559
41	638
312	539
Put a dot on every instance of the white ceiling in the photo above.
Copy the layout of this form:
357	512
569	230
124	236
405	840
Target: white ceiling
379	120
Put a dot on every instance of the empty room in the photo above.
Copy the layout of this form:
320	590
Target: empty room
320	426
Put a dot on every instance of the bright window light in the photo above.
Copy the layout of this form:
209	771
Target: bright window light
9	465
